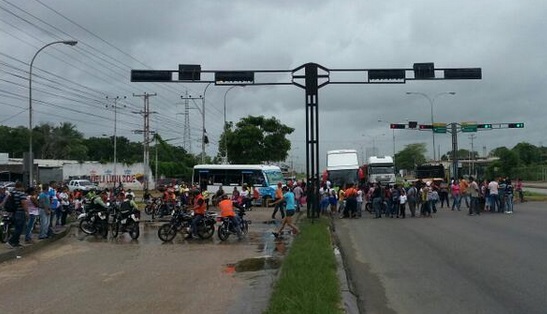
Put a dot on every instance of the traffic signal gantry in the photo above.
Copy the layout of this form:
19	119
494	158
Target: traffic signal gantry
454	128
310	77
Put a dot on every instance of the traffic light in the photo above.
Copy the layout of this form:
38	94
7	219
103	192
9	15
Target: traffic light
484	126
189	72
424	71
397	126
519	125
426	126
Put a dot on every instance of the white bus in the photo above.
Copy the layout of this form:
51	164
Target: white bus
262	177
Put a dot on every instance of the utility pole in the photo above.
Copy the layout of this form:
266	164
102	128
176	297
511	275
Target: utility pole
146	131
472	156
187	143
202	111
115	106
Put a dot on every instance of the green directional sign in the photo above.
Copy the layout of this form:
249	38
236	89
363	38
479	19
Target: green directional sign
469	127
439	127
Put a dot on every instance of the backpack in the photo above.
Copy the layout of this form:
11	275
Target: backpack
10	205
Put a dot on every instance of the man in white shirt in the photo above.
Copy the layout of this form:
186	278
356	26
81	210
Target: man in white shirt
494	199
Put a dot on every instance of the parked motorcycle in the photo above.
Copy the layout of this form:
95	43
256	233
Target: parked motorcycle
94	222
227	228
181	221
6	227
126	221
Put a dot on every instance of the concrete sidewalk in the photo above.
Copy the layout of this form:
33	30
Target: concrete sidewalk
7	254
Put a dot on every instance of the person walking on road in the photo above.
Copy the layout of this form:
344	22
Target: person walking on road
508	196
278	205
44	211
288	198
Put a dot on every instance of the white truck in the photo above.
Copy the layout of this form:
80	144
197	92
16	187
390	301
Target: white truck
342	167
380	169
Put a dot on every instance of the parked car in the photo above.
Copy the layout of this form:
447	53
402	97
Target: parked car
83	185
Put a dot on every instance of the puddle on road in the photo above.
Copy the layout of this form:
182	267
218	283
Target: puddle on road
253	264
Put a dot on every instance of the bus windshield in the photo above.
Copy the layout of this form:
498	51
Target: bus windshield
274	177
382	170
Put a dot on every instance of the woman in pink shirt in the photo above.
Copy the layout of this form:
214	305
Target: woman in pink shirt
456	194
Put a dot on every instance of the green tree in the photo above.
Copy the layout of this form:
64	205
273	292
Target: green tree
505	165
461	154
527	153
256	140
411	156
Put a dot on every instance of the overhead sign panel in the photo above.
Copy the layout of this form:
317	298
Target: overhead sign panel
234	77
463	74
387	74
150	76
469	127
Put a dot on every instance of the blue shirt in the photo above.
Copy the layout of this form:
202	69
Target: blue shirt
289	201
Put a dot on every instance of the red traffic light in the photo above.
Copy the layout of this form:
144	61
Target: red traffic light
426	126
397	126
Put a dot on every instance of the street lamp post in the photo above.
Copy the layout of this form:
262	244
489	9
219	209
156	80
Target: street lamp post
432	102
225	127
30	153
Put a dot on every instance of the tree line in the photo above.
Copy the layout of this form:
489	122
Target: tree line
524	160
253	140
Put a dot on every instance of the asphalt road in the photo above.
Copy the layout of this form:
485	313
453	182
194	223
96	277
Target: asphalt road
452	263
86	274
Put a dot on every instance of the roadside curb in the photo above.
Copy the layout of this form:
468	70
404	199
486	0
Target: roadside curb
26	250
348	297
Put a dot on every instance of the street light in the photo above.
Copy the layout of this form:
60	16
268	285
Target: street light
30	153
432	102
225	127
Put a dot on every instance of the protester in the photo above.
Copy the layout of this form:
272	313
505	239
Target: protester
33	212
288	198
19	216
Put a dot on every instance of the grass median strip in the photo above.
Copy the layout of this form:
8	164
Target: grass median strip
308	282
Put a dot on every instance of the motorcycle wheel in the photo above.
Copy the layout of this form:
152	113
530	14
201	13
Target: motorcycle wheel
134	230
223	232
115	229
206	231
104	229
149	209
244	227
4	233
368	207
167	232
87	226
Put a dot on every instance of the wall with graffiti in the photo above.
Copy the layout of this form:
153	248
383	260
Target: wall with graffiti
107	175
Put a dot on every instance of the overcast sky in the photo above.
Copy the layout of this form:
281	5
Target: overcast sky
505	38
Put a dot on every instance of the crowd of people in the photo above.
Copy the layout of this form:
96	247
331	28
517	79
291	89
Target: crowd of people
50	204
422	199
